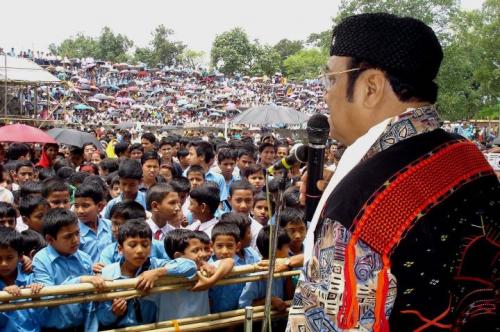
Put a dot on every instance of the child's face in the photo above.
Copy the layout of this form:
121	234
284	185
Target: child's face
244	162
129	188
86	209
194	251
7	182
225	246
67	240
267	155
9	222
193	157
197	209
242	201
116	222
282	152
207	252
227	167
115	190
150	169
256	180
8	262
34	220
59	199
136	154
260	212
169	207
166	173
166	151
135	250
283	251
297	233
195	179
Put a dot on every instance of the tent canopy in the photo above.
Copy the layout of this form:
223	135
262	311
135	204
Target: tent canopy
21	70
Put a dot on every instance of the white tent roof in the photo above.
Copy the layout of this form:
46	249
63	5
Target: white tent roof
21	70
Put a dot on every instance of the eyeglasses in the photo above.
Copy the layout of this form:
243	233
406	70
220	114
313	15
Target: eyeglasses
328	78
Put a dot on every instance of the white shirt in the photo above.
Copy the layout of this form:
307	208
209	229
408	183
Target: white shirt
255	228
206	226
164	230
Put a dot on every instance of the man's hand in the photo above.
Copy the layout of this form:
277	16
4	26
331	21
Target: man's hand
98	282
321	184
119	307
97	267
278	304
147	279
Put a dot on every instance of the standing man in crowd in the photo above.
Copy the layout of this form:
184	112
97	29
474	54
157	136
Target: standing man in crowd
405	236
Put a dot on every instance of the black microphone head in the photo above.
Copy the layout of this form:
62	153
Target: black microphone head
318	129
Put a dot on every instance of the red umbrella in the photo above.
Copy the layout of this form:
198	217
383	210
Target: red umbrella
24	134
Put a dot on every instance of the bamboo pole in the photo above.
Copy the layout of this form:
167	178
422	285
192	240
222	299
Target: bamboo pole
107	296
182	322
113	285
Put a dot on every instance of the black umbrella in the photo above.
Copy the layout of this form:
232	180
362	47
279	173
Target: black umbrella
74	137
125	125
270	115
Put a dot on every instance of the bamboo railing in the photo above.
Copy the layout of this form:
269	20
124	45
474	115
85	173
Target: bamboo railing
125	288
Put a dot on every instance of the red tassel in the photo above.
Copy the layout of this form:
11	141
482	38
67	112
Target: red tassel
381	324
349	311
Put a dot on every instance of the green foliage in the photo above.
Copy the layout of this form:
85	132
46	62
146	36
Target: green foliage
321	40
190	58
113	47
79	46
232	52
305	64
165	51
286	47
266	61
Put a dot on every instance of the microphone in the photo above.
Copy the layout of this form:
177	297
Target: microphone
299	155
317	134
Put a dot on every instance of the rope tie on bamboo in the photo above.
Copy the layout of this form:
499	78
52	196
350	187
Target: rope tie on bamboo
176	325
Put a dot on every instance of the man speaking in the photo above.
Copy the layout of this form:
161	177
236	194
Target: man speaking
405	236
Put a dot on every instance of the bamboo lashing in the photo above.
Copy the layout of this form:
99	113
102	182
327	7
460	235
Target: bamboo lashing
184	322
166	286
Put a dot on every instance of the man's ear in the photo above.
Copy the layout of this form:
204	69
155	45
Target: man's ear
100	206
49	239
154	206
238	246
177	254
120	249
32	254
375	83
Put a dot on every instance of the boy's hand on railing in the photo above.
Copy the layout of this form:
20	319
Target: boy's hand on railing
35	288
98	282
97	267
207	270
119	307
13	290
204	283
278	267
147	279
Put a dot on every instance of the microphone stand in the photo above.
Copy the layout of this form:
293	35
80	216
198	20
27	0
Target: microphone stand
273	239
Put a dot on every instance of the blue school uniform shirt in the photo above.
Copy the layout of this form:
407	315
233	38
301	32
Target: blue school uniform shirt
139	198
27	320
143	310
93	244
225	298
256	290
50	268
111	255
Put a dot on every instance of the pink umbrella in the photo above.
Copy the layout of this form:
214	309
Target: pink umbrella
24	134
133	89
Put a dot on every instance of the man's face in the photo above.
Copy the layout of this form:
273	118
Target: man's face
193	157
282	152
129	188
166	152
227	167
146	145
268	155
136	154
24	174
195	179
244	162
87	152
150	169
346	120
242	201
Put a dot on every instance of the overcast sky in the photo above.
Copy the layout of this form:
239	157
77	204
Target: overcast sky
34	24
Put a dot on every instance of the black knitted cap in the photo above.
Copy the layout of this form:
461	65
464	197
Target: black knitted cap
402	46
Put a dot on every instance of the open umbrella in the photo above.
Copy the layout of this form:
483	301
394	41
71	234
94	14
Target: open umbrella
24	134
73	137
125	125
270	115
83	107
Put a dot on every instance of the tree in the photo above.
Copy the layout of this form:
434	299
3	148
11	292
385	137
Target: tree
232	52
80	46
144	55
165	51
266	61
305	64
286	47
321	40
191	58
113	47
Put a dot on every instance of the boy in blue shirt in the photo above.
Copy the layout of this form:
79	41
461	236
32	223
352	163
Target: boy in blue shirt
61	263
95	232
120	213
225	243
12	279
183	243
134	244
130	173
254	293
246	255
